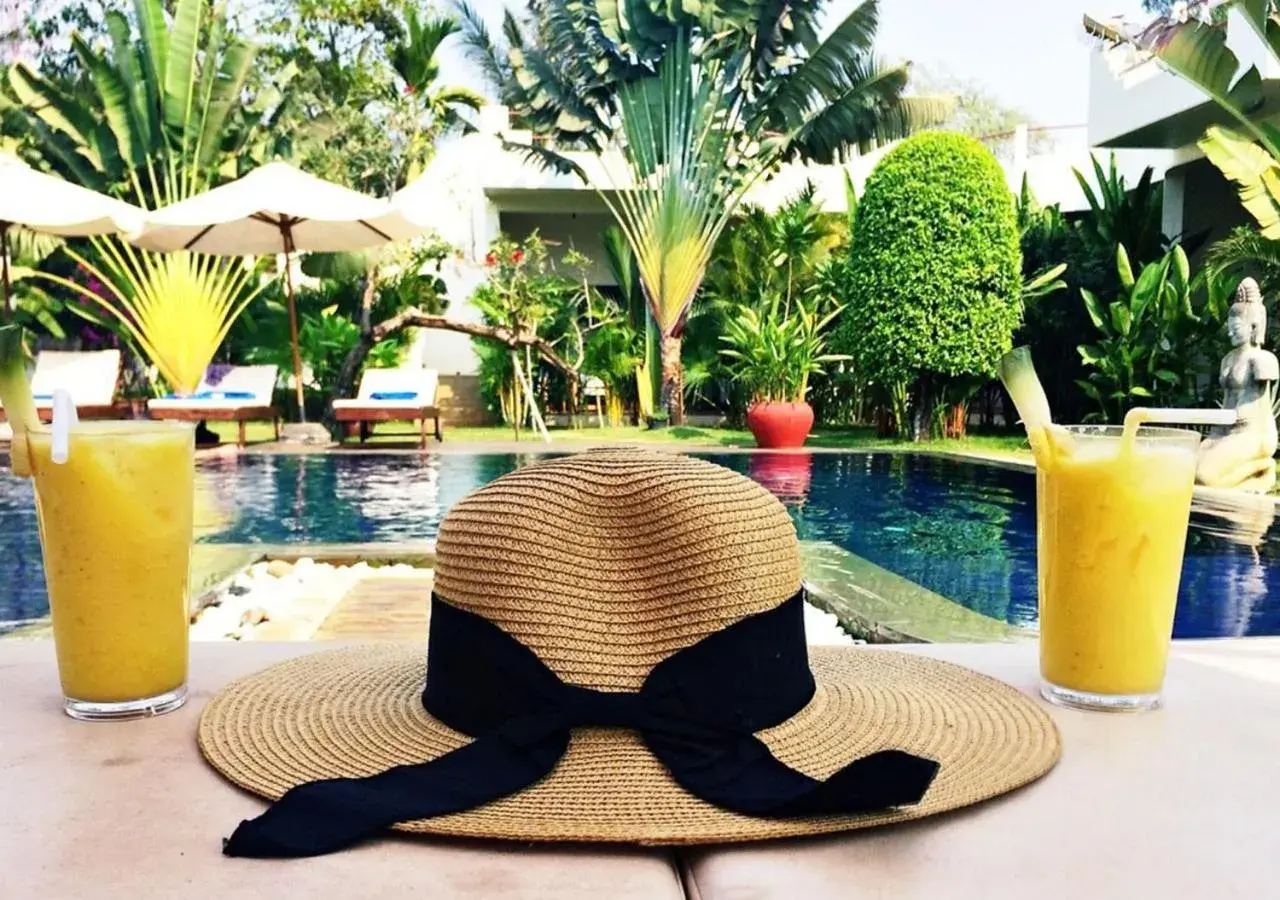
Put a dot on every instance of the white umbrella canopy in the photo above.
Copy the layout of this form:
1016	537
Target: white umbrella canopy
277	209
39	202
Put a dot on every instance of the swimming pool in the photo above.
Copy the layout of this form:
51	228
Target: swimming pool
962	529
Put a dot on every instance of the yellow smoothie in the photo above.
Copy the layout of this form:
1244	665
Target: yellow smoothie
116	529
1113	517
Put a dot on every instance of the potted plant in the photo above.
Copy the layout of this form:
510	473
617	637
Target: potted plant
772	352
660	419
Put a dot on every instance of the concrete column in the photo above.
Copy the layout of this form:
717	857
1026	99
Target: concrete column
1175	194
1021	152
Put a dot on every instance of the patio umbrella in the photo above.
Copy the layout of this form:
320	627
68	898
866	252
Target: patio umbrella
45	203
277	209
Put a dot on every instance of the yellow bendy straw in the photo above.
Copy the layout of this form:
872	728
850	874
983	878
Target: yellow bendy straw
1020	380
15	396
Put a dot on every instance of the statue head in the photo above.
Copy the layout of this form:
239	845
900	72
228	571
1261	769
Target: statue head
1247	319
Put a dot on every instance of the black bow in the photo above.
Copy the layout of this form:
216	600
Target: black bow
698	712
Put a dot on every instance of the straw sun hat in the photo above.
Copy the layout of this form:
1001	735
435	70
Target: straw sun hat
650	606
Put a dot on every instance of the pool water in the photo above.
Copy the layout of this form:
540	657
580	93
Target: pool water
965	530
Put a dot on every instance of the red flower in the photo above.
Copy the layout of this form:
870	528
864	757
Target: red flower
491	259
517	256
408	89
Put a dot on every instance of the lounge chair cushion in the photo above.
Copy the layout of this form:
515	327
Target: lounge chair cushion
407	389
212	395
89	376
226	387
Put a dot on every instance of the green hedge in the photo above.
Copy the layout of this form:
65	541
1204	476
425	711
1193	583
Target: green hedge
933	277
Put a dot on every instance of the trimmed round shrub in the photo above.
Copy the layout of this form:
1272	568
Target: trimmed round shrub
933	277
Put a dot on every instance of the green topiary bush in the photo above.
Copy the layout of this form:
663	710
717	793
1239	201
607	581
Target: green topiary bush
932	279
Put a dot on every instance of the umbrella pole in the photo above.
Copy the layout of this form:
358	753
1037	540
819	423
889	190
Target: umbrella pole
4	251
293	326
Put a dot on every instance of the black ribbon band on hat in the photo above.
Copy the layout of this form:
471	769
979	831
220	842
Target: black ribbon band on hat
698	712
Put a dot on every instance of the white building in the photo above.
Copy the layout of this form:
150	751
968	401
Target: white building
1136	104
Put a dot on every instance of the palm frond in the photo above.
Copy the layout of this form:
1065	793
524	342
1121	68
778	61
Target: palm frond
1250	253
825	74
869	112
546	159
479	48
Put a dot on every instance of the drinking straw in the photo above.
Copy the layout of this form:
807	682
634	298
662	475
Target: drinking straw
1141	415
65	418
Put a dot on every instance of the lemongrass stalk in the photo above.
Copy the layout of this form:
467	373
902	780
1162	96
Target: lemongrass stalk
15	395
1048	441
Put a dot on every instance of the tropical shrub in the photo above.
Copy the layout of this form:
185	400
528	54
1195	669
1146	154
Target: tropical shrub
1156	338
932	279
1055	322
528	295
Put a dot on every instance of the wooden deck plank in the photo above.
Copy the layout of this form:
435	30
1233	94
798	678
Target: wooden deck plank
380	609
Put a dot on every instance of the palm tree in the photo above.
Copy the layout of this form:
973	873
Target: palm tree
760	88
431	109
560	70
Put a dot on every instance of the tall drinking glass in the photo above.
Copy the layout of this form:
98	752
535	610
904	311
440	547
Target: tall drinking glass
116	529
1112	519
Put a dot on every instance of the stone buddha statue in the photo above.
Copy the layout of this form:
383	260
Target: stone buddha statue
1241	456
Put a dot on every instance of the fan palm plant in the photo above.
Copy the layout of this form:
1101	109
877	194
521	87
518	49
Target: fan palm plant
561	72
671	199
158	117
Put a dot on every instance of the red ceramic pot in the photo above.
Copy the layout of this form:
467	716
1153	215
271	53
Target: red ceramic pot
778	426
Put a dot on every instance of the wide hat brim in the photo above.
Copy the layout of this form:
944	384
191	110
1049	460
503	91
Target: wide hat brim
357	711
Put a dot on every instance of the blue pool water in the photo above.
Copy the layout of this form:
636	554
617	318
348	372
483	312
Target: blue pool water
965	530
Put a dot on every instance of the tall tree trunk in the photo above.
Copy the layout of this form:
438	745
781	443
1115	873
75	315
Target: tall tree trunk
366	300
672	395
922	409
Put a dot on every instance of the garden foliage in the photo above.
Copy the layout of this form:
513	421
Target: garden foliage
1157	339
933	276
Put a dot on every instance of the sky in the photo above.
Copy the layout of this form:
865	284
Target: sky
1032	54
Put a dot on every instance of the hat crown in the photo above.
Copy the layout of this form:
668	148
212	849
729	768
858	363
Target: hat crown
607	562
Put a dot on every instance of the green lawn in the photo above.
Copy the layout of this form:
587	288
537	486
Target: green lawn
851	438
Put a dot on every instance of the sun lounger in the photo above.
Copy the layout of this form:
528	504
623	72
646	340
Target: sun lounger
240	394
89	376
392	395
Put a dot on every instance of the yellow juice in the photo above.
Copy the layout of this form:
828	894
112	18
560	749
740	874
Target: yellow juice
1112	517
116	530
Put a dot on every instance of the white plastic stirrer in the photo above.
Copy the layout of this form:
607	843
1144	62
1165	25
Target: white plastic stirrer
1141	415
65	418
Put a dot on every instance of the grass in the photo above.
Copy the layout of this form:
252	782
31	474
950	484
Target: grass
398	434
